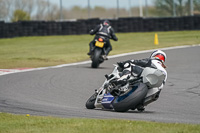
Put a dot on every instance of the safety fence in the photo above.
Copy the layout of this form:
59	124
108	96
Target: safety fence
44	28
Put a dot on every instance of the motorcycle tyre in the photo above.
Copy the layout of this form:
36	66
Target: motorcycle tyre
91	101
132	101
96	57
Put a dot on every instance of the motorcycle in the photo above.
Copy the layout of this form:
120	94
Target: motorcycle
98	52
134	92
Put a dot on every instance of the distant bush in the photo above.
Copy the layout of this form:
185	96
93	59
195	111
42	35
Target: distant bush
20	15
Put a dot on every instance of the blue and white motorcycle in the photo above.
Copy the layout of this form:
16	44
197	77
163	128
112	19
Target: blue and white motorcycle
122	92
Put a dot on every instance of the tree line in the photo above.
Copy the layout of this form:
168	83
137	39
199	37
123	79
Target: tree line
15	10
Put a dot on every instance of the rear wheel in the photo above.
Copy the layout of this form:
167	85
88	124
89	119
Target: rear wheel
131	99
96	58
91	101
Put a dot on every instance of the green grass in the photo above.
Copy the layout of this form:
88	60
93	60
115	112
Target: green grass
10	123
54	50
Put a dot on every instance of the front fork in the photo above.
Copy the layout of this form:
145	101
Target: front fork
99	98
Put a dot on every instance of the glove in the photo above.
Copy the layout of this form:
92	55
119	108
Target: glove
92	32
115	39
120	67
120	64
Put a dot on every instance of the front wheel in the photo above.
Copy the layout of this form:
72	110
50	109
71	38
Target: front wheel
91	101
131	99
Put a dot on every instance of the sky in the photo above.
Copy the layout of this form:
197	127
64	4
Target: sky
104	3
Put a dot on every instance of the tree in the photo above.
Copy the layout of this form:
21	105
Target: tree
5	7
197	7
37	9
20	15
166	7
25	5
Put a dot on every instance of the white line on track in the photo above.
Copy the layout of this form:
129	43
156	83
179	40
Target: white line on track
10	71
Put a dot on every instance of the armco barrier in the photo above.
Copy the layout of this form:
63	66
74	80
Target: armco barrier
43	28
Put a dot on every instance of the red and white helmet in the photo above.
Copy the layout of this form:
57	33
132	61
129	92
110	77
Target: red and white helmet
106	22
159	55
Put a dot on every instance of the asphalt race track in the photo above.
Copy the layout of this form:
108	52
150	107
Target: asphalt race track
63	91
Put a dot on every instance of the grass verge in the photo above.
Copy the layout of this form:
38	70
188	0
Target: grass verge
54	50
44	51
24	124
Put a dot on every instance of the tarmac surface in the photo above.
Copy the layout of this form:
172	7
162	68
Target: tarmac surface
63	91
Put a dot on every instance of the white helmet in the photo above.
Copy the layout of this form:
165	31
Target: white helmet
159	55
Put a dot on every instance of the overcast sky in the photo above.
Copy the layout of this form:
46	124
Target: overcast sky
103	3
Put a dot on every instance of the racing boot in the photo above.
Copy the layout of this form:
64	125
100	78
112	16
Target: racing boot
141	108
106	53
104	57
90	49
90	52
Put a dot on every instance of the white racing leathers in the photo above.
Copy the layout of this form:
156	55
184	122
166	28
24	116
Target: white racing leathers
153	93
153	63
158	65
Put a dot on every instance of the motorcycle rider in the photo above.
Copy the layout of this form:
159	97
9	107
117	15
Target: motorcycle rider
104	29
156	60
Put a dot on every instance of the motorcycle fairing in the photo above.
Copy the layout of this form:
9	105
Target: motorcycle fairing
107	101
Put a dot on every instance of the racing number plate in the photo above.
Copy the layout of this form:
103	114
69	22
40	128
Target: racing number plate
99	44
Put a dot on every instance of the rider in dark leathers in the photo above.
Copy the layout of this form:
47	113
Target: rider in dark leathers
106	31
